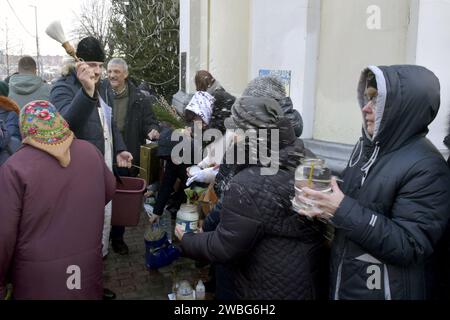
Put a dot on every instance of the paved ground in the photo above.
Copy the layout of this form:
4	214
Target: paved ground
129	278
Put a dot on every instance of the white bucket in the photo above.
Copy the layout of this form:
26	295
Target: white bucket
187	217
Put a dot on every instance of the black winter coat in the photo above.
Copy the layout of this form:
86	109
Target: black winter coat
447	143
387	227
276	254
443	251
293	115
221	107
79	110
140	119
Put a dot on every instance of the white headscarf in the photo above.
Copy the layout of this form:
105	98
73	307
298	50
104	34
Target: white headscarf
201	105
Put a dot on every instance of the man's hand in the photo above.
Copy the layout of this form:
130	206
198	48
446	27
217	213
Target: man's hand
124	159
86	76
179	233
324	205
153	135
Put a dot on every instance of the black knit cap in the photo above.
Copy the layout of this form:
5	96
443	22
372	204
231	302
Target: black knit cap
90	49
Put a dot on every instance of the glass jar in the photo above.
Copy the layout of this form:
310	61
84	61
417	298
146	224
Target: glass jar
311	173
185	291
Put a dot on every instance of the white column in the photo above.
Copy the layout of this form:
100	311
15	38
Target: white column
433	52
194	37
229	39
194	27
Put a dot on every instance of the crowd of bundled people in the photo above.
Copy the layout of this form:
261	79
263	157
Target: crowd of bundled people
61	145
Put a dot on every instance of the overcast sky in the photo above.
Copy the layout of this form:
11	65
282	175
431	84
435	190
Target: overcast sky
24	42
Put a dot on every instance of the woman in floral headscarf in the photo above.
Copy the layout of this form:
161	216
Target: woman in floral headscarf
52	201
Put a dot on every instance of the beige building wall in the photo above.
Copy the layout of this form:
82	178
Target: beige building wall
194	26
346	47
229	43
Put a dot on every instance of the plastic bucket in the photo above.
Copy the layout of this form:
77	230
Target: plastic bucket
127	202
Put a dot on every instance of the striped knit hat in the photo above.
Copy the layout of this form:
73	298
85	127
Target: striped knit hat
45	129
266	86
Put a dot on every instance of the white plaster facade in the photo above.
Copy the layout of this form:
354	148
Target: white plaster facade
324	44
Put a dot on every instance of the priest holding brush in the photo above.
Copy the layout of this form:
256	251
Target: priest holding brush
77	98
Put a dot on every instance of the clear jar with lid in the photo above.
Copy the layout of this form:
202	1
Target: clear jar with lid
314	174
185	291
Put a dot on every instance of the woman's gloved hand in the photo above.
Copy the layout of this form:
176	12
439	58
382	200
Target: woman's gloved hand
207	175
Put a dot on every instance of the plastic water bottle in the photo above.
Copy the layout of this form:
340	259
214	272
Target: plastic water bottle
185	291
200	290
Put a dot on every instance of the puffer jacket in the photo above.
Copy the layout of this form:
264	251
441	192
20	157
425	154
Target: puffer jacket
4	136
275	253
443	250
80	111
221	107
10	118
10	139
447	143
293	115
396	203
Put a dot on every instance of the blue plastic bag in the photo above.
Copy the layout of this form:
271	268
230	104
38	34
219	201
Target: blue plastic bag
160	253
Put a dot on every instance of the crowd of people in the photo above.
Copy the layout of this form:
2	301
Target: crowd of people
61	145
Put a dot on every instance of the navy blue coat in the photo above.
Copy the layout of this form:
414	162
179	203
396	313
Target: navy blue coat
79	110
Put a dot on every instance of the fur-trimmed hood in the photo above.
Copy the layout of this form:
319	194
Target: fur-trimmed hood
68	67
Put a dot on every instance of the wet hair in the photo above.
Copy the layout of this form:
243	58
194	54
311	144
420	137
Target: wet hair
27	65
203	80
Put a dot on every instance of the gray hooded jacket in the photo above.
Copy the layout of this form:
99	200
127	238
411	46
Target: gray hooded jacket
24	88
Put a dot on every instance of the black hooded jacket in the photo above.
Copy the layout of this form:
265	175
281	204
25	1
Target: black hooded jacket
273	252
293	115
447	143
221	107
397	196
